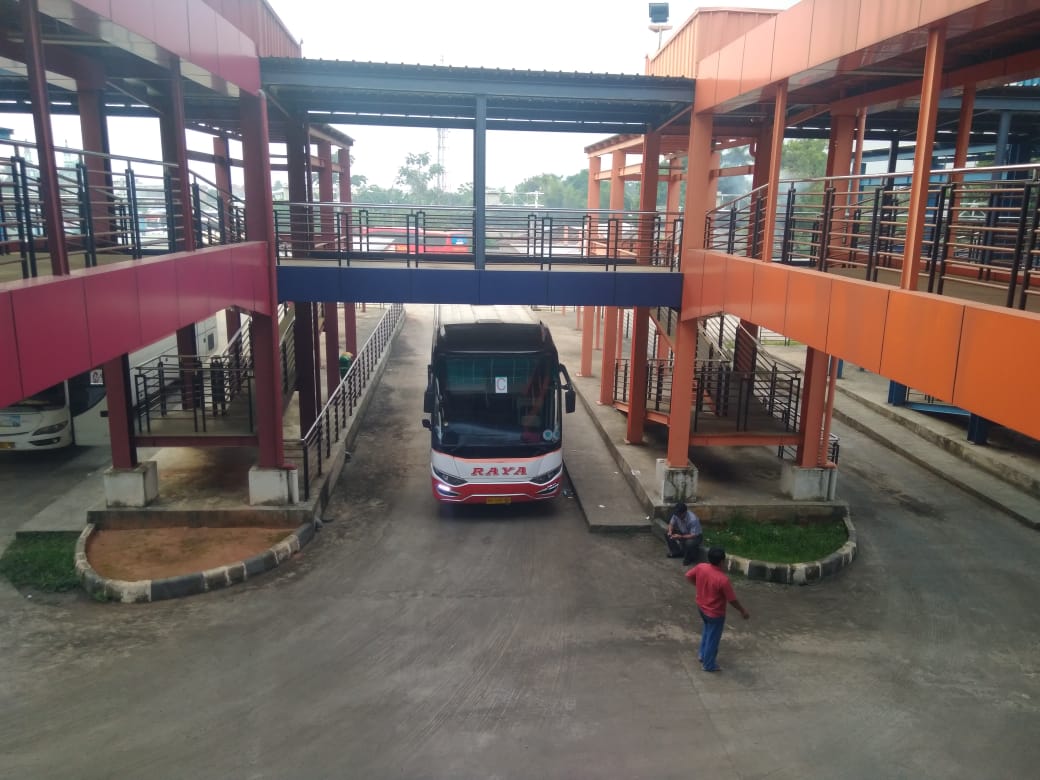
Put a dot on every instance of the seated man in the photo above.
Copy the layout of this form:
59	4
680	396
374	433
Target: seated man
684	535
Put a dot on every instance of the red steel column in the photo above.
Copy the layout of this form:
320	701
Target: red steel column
260	227
297	146
222	178
120	425
345	196
675	177
931	86
50	194
90	97
776	151
328	229
175	150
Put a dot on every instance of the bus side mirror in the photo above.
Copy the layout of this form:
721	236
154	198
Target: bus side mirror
426	424
568	401
427	403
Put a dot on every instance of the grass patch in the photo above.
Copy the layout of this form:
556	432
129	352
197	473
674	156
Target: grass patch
44	562
777	542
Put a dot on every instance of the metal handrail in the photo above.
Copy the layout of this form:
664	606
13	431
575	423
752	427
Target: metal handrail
339	410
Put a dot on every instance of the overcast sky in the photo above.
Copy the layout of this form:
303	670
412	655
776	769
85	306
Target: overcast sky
602	36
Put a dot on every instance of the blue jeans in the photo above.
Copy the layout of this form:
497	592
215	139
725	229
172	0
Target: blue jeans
710	637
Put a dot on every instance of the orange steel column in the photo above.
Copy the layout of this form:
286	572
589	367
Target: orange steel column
607	357
637	375
50	194
776	150
648	195
682	393
256	166
814	399
931	84
611	336
960	152
588	327
674	185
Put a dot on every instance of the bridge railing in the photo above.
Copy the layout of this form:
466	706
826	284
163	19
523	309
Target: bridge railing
345	233
981	236
113	207
314	448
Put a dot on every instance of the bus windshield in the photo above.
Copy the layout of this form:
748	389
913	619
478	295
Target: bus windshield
497	401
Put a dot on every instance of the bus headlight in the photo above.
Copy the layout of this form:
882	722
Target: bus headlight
541	479
50	428
450	479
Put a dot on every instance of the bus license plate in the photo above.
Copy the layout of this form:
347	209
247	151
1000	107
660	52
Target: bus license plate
499	500
10	420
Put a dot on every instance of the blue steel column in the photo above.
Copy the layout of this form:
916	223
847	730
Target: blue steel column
49	192
256	167
479	180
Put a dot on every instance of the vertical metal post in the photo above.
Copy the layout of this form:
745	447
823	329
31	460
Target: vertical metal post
480	182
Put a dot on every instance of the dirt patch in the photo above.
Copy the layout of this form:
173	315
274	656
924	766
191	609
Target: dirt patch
154	553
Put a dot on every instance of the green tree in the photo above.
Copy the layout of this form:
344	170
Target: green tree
804	158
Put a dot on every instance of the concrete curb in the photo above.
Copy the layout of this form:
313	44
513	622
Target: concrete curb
139	591
926	464
803	573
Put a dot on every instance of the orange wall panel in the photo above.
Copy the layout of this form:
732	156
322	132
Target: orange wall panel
793	30
707	81
713	286
758	57
769	302
808	307
731	63
931	10
856	324
834	27
740	286
922	333
998	375
883	19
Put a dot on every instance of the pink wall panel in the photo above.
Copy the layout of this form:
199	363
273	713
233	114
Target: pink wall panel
157	291
922	332
808	307
222	281
238	61
202	35
51	327
242	277
171	26
113	312
770	296
740	284
193	294
10	381
135	15
100	7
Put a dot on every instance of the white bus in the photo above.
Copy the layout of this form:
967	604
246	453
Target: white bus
75	411
496	395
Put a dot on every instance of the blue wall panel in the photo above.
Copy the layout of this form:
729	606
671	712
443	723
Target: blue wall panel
430	285
514	287
444	286
581	288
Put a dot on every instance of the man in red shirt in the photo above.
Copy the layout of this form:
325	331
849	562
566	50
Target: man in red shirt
714	590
